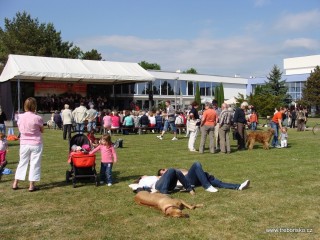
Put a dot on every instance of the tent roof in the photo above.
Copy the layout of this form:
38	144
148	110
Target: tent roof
72	70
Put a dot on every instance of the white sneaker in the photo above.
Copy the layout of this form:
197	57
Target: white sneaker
211	189
153	190
160	137
109	184
174	139
193	150
244	185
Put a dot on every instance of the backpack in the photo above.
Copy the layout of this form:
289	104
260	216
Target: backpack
118	143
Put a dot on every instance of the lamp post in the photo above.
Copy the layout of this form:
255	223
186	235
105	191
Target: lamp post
175	89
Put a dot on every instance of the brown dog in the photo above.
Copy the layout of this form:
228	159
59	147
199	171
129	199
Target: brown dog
263	137
169	206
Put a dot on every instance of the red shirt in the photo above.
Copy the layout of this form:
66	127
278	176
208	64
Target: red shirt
276	117
209	117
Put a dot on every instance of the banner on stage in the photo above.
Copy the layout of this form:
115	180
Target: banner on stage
48	89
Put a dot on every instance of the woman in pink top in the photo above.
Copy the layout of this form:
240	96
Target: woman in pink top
31	128
108	157
115	120
208	121
107	122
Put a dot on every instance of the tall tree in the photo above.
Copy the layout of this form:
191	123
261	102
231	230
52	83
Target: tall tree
311	91
91	55
149	66
221	95
216	93
275	85
26	36
197	97
191	71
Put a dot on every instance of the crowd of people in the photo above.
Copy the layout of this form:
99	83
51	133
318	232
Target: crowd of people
213	121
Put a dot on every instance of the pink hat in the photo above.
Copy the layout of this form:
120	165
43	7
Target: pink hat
86	147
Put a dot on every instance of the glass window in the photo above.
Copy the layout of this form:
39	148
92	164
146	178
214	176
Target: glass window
132	88
298	96
202	86
183	88
214	85
156	87
171	84
190	88
141	88
208	89
164	87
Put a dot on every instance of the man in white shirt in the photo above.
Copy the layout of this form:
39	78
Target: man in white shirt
79	115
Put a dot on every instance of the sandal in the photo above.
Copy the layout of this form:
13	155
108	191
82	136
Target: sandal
34	189
15	188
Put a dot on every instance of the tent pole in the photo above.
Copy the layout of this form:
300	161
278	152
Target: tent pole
114	96
18	83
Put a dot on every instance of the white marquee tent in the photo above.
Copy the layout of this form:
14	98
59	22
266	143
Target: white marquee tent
72	70
46	69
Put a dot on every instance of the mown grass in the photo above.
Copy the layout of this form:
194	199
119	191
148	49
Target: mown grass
284	193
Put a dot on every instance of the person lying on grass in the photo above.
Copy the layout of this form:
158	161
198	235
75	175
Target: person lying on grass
198	177
165	183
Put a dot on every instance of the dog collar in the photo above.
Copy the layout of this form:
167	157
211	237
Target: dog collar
165	210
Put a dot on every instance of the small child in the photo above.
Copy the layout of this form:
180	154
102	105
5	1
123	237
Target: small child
75	150
253	119
93	140
108	157
3	152
284	137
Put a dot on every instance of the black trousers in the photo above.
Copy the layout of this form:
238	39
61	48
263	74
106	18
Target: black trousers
67	129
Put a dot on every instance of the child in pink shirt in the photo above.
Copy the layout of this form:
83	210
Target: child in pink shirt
3	152
108	157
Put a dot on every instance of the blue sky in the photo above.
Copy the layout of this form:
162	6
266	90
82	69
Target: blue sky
226	37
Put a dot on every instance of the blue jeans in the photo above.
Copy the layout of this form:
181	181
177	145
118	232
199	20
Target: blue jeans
80	127
168	181
197	177
253	126
172	126
3	129
106	172
91	125
275	141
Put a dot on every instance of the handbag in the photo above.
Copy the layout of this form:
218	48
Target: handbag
192	125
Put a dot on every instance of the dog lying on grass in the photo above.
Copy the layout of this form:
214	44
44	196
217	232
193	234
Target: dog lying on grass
263	137
169	206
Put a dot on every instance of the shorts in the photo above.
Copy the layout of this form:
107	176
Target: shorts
172	126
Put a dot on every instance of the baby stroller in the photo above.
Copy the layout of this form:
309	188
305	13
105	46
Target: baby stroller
82	165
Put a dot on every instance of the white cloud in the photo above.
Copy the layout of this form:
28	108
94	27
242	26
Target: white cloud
305	21
239	54
261	3
307	43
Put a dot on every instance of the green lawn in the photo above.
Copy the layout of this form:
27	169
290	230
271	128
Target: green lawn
284	194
